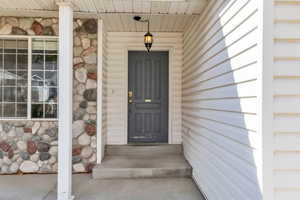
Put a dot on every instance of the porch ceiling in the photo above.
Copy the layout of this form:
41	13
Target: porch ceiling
112	6
164	15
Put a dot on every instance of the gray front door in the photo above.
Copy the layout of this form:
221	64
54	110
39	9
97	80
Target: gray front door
148	97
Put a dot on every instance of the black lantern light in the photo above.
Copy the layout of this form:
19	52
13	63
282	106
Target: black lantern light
148	37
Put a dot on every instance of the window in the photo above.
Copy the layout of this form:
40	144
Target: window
28	89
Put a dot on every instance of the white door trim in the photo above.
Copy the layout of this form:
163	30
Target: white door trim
171	72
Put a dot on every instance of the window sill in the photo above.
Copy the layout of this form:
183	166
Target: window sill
26	119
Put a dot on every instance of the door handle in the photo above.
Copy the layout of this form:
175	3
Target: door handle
148	100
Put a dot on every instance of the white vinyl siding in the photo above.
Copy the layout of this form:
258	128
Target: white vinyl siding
286	87
118	43
219	100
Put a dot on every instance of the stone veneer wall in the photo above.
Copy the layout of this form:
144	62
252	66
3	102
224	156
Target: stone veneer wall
30	146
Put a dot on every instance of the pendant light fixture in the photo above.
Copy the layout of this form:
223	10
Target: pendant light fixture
148	37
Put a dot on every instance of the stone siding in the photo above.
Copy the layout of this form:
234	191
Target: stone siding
30	146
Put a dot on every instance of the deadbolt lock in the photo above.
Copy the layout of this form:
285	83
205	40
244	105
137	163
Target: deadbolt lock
130	94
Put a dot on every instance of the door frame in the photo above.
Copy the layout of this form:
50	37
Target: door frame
170	50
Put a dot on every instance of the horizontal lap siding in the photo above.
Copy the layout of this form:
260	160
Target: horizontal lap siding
286	100
117	43
219	100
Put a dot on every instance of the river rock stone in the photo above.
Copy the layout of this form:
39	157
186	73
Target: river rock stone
48	30
87	152
22	146
77	128
6	29
90	26
79	167
35	127
18	31
52	160
84	140
37	28
12	21
86	43
34	157
76	151
1	154
14	168
83	104
90	129
92	75
89	167
29	166
45	156
80	75
27	130
76	159
90	84
43	147
4	146
24	155
25	23
51	132
10	153
77	41
53	150
90	94
90	58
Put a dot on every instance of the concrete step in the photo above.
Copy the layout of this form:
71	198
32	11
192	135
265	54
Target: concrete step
143	150
137	166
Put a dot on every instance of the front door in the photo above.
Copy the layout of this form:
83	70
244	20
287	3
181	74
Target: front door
148	97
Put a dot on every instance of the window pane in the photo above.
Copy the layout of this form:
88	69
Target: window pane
10	61
50	94
22	78
50	110
37	111
44	78
1	48
22	62
51	62
1	59
38	46
22	110
9	109
10	94
37	62
37	78
51	47
1	106
22	46
10	46
51	78
37	94
22	94
9	78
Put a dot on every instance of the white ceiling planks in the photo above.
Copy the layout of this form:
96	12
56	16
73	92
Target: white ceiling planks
113	6
158	23
165	16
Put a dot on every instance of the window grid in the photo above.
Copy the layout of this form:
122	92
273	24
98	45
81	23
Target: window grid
28	100
13	73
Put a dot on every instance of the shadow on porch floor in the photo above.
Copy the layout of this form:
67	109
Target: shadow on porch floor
43	187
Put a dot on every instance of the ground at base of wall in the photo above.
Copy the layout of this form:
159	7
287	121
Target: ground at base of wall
43	187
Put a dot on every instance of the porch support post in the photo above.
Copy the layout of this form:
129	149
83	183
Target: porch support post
64	185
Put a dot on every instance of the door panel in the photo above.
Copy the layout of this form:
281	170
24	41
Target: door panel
148	105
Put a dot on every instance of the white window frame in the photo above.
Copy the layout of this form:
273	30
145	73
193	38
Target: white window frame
29	101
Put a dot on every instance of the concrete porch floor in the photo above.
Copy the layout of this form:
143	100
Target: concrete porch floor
43	187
